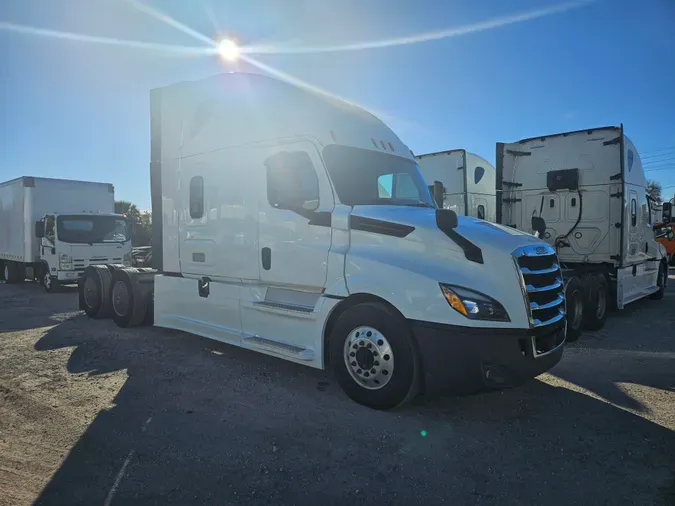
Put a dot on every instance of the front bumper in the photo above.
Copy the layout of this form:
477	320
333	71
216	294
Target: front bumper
69	276
468	359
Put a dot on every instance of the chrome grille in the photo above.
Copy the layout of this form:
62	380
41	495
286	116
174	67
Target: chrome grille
542	283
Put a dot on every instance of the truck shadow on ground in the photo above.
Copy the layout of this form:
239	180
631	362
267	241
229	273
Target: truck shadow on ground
24	307
636	347
201	422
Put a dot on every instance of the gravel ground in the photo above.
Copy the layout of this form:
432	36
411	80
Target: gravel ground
93	414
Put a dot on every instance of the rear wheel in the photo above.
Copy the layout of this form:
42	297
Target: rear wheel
13	272
373	356
574	300
131	296
596	300
94	291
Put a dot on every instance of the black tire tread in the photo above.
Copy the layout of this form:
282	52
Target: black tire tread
574	282
593	282
405	382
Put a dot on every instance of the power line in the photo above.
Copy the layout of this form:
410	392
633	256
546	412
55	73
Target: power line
656	156
672	167
653	162
659	149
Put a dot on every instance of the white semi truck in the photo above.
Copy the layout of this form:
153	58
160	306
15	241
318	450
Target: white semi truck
468	182
299	226
52	229
584	192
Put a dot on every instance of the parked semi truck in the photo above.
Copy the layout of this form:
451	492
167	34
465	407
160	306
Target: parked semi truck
468	181
52	229
586	191
299	226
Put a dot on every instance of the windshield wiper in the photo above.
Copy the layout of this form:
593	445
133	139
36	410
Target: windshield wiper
420	204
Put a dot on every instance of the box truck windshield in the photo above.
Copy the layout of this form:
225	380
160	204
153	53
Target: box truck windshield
92	229
363	177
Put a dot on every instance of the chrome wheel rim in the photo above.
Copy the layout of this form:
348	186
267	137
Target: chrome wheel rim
369	358
120	298
47	281
6	272
90	290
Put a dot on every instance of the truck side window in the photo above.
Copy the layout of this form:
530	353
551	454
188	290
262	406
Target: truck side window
633	212
480	212
196	197
292	182
50	233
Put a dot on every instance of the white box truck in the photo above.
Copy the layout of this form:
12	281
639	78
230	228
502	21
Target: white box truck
51	229
299	226
586	191
468	182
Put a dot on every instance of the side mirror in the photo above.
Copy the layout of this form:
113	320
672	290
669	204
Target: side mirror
39	229
437	193
539	226
446	219
667	212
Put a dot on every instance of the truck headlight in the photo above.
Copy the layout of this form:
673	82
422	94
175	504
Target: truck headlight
474	305
65	262
126	261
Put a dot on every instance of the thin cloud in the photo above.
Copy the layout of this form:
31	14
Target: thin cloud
423	37
80	37
168	20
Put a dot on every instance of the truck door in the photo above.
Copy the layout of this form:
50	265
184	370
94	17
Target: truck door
48	245
294	201
294	209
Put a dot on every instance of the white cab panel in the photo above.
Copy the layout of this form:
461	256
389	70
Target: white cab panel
179	306
218	225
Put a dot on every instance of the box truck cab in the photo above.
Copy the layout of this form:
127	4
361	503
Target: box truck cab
468	181
52	229
299	226
588	191
70	242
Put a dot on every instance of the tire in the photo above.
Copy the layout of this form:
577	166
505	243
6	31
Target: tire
662	282
95	291
131	299
12	272
362	335
50	283
574	301
596	300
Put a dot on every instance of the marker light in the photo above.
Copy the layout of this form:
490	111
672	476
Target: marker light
229	50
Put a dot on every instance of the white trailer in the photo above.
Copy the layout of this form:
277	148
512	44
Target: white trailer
51	229
589	188
299	226
468	182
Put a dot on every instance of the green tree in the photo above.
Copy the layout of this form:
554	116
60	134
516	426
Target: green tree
140	221
654	189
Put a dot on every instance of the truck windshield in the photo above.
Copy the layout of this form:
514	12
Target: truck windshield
92	229
365	177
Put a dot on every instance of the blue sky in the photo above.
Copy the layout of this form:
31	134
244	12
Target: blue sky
81	110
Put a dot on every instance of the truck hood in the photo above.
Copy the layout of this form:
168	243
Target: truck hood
485	235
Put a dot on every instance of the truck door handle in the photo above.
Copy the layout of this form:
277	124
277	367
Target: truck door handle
266	256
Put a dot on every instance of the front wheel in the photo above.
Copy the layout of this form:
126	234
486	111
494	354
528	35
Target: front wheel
373	356
50	284
574	300
662	282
